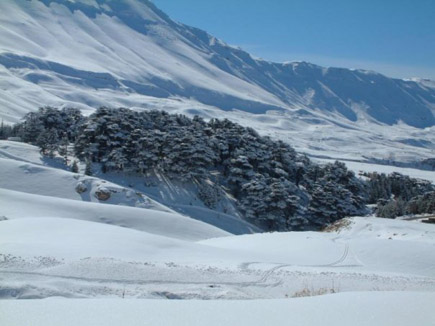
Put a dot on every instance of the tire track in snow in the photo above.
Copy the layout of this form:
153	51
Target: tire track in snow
261	282
268	273
138	282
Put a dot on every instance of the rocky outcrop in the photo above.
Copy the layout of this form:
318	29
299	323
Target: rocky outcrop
103	194
81	188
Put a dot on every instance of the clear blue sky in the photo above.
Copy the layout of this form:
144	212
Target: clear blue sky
394	37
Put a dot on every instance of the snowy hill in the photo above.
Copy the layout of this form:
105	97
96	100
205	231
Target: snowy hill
29	176
81	259
55	243
129	53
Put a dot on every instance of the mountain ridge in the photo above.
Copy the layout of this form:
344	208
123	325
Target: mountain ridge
128	53
261	85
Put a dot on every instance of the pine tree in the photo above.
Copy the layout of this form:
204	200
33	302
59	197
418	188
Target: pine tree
88	168
32	127
48	142
3	133
74	167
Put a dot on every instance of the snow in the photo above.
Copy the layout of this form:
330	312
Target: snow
369	244
149	220
358	167
70	239
26	171
129	54
38	179
182	197
64	257
357	309
56	243
20	152
51	192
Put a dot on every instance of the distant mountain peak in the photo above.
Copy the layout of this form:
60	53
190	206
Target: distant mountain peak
131	12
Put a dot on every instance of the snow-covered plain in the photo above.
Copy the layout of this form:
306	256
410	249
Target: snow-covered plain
55	245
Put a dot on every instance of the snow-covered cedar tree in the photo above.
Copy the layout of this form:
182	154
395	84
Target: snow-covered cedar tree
396	194
423	204
391	208
31	128
240	172
382	186
7	130
88	168
335	193
273	204
324	204
273	186
75	167
66	122
48	141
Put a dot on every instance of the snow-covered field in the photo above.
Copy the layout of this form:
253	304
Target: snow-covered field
356	309
58	244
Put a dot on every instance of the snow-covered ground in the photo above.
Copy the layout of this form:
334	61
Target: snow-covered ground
356	309
59	245
53	257
24	170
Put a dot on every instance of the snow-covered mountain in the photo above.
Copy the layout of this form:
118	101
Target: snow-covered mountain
88	53
60	239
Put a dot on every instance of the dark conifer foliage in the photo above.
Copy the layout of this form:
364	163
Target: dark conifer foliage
423	204
396	195
7	131
75	167
274	187
50	121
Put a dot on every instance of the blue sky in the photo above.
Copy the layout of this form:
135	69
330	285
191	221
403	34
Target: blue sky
394	37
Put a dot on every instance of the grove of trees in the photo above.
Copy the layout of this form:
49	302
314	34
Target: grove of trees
275	187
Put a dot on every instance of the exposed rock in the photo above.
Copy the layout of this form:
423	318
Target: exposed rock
81	188
102	194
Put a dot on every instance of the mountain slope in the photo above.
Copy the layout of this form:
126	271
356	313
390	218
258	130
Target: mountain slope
128	53
131	47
